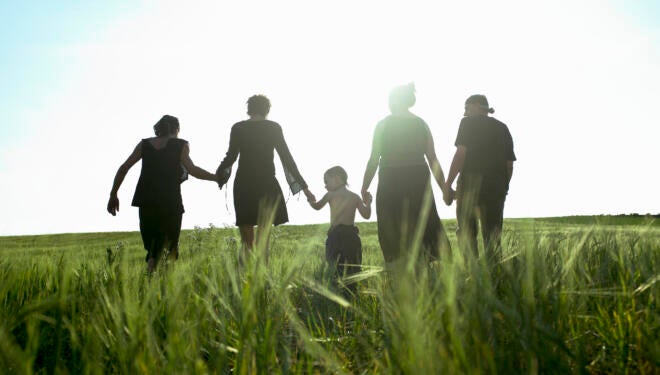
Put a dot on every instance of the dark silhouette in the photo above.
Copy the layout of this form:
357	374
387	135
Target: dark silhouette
484	158
343	248
165	165
404	197
258	198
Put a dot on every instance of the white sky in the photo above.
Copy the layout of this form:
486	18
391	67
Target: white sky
576	82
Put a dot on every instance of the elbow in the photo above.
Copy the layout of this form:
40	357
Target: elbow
123	169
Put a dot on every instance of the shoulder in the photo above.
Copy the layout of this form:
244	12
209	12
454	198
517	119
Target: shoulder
273	125
384	121
499	123
467	121
420	122
238	125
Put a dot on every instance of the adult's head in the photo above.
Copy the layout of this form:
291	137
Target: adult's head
477	105
402	97
335	178
167	126
258	105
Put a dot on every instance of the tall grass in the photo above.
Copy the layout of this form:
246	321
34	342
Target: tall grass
566	299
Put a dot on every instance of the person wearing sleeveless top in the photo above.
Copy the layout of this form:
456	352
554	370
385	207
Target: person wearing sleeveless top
165	165
404	199
258	198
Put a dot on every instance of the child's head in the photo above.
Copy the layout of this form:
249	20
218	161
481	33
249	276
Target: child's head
335	178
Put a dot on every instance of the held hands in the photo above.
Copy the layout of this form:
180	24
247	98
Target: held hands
366	197
310	197
113	205
448	195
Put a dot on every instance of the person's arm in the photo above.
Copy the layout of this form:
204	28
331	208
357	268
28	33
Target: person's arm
194	170
372	165
223	172
511	156
364	208
456	164
291	173
113	202
319	205
434	164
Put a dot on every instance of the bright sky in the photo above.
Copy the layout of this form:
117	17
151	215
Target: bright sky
577	82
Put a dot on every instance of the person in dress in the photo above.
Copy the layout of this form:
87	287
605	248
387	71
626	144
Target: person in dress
402	152
343	248
165	165
258	198
483	163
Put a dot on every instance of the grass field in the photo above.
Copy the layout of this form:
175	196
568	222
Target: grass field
573	295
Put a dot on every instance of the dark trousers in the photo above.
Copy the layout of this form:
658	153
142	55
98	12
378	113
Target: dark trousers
487	211
343	250
160	230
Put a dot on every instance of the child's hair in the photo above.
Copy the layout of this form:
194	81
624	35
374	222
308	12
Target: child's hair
166	125
258	105
339	172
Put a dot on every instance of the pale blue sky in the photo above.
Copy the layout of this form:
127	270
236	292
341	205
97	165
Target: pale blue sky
81	82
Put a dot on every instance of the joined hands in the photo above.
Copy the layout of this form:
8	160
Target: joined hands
448	195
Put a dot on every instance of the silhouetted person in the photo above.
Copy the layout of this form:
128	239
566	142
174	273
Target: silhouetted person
258	198
165	165
343	248
400	143
484	159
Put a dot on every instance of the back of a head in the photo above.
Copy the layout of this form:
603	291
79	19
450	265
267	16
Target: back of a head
402	97
258	105
166	125
481	101
338	172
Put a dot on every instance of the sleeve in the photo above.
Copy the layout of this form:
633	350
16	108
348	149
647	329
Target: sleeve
293	177
464	136
224	170
510	155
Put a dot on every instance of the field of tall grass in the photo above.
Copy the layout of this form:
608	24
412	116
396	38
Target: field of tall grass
568	298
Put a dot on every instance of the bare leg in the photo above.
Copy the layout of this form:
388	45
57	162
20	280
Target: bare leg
151	265
263	237
247	241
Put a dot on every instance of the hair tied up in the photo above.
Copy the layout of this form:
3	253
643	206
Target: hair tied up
411	87
491	110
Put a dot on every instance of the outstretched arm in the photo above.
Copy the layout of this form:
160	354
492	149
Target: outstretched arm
194	170
319	205
434	164
113	202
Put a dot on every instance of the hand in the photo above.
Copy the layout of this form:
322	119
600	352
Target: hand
366	197
309	195
113	205
448	196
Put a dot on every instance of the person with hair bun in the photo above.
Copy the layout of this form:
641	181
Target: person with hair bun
483	163
258	198
165	165
402	152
